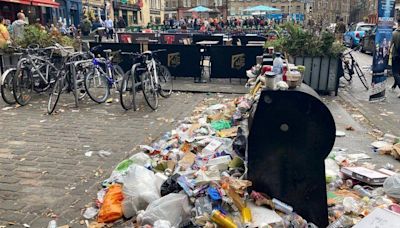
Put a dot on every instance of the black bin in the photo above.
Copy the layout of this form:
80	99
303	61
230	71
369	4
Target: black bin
291	133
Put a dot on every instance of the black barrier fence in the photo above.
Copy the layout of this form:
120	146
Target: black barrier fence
181	60
136	37
168	38
232	61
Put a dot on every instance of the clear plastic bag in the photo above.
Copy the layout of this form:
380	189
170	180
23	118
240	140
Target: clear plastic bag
140	189
173	207
392	186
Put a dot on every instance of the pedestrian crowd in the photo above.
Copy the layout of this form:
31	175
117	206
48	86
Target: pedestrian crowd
218	23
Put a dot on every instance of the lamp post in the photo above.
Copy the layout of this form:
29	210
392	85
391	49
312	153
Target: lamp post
290	6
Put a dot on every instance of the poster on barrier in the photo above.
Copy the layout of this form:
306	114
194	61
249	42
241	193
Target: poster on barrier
383	40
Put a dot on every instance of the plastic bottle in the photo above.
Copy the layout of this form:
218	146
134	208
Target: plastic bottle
281	206
52	224
222	220
343	221
277	64
335	184
360	190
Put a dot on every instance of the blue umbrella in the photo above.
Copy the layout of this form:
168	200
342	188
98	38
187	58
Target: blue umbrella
261	8
200	9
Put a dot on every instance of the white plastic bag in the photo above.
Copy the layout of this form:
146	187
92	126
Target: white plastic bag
173	207
392	186
140	189
162	224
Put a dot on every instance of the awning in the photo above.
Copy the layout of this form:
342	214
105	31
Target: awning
25	2
46	3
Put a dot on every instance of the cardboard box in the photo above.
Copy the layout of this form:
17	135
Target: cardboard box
211	148
365	175
381	218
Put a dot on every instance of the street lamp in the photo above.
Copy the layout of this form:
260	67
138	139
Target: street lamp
290	6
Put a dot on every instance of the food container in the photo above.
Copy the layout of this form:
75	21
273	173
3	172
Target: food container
270	80
293	79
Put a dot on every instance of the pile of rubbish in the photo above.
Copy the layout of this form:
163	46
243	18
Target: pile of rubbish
192	176
360	195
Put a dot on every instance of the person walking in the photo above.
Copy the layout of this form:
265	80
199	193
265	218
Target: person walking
18	26
85	26
96	27
121	24
109	24
4	34
340	29
396	57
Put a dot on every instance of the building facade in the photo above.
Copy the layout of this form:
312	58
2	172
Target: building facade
44	10
219	8
330	11
69	11
294	8
129	10
171	9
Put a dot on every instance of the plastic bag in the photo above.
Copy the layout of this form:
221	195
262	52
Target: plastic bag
140	189
173	207
220	125
171	185
239	143
331	170
162	224
392	186
112	208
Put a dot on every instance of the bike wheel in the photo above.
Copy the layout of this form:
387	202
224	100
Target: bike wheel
149	91
7	86
347	73
23	86
96	86
118	75
361	75
55	95
165	81
127	92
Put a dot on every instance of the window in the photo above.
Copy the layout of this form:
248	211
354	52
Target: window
283	8
298	8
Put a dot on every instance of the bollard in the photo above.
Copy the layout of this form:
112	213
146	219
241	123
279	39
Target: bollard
291	133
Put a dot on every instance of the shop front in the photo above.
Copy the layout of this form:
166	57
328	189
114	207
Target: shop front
69	11
33	9
130	12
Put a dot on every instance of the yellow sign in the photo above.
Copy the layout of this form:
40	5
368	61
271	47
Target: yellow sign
174	59
238	61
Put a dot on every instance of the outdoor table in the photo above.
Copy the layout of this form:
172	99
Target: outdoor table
204	53
256	44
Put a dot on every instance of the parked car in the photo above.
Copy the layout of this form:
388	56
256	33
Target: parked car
367	43
355	33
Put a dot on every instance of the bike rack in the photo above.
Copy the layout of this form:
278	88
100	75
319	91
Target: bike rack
74	78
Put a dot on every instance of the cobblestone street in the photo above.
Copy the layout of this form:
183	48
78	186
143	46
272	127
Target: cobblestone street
44	171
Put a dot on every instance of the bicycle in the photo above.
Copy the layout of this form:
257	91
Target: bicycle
8	76
98	82
74	66
351	67
34	72
154	84
147	74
